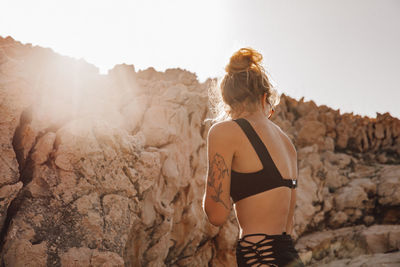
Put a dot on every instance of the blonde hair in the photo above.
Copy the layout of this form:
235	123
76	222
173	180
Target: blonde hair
242	86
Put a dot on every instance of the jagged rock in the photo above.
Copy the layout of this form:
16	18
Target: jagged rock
348	242
311	133
340	159
382	238
7	194
333	178
23	253
378	259
306	195
109	170
156	126
133	112
350	197
43	148
338	219
389	187
85	257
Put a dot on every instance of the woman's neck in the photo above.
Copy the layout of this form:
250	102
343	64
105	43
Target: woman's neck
258	115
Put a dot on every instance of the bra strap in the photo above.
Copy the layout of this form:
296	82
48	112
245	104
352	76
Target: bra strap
262	152
258	145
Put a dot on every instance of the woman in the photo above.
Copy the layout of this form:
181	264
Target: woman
252	162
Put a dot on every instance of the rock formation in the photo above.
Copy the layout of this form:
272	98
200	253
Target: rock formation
108	170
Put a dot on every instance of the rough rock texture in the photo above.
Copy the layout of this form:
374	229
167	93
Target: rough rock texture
348	242
108	170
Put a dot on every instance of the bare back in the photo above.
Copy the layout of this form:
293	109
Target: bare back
271	211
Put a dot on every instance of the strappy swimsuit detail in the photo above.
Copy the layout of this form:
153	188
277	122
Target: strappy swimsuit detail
271	250
247	184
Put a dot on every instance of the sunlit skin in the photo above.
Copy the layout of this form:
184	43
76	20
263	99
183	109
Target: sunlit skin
269	212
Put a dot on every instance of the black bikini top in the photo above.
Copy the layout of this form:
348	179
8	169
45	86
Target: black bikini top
247	184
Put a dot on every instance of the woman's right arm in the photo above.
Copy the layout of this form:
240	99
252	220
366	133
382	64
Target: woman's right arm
216	202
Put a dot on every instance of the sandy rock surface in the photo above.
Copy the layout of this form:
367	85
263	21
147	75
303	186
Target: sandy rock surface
108	170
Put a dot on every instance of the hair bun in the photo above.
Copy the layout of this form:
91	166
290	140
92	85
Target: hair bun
244	59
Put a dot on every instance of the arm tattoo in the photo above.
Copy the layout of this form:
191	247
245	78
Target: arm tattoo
217	171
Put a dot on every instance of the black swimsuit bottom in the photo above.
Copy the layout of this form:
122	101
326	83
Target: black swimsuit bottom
271	250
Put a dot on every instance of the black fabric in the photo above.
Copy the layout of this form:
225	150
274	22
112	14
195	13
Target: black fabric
274	250
247	184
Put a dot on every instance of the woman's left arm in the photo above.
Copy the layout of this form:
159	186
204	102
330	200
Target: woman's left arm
220	150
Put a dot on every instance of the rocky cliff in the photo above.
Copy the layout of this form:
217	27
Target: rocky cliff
108	170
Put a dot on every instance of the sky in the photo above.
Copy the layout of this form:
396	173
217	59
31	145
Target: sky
341	53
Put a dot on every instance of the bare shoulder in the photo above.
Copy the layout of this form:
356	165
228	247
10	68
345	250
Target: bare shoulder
285	137
276	126
225	129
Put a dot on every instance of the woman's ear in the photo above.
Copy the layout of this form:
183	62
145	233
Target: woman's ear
264	100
